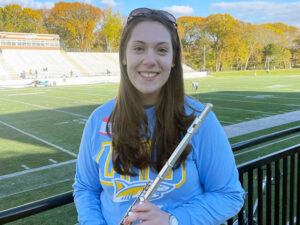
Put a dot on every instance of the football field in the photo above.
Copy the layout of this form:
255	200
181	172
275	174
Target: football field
41	128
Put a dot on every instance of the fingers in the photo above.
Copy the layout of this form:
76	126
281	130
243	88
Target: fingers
147	213
140	212
144	207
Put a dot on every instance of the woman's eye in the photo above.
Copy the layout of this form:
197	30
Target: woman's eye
163	50
138	49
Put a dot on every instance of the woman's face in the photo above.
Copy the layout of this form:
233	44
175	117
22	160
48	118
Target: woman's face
149	56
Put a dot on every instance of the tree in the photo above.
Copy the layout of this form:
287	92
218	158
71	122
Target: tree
31	21
111	29
12	17
1	19
74	22
194	40
218	27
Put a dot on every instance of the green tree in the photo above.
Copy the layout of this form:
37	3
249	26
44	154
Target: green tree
111	29
218	26
1	19
31	21
194	41
12	18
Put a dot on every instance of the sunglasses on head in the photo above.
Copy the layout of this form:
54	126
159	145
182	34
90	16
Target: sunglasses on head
145	11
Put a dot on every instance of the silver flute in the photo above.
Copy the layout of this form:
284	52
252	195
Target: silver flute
151	187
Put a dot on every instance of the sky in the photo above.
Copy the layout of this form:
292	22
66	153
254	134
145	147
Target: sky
256	12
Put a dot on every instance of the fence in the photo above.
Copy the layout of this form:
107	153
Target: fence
273	180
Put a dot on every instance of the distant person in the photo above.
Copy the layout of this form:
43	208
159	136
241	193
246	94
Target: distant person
195	85
107	72
127	140
268	71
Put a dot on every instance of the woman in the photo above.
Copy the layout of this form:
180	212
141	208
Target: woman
127	140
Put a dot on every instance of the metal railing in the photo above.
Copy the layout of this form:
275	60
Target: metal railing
279	172
280	164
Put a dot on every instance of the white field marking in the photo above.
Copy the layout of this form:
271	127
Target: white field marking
221	121
275	142
35	188
233	100
40	139
25	167
52	160
60	123
278	86
247	110
44	107
259	96
31	93
36	169
247	95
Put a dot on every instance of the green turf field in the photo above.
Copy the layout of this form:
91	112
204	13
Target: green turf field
40	130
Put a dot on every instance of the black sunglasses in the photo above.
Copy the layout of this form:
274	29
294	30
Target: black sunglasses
145	11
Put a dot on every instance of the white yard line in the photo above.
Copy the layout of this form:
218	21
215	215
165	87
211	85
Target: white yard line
35	188
257	94
40	139
31	93
36	169
255	102
275	142
52	160
221	121
25	167
247	110
44	107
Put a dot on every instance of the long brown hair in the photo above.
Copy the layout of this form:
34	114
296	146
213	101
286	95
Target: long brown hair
129	124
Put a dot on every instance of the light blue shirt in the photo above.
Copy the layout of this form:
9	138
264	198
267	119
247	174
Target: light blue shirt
203	190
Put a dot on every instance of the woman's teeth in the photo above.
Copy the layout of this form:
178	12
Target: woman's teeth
148	74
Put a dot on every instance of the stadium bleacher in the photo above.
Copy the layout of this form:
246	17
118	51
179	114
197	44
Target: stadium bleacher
38	56
43	64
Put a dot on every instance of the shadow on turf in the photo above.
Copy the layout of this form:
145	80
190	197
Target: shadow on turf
65	130
56	127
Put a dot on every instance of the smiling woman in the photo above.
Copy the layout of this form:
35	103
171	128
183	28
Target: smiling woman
149	59
127	140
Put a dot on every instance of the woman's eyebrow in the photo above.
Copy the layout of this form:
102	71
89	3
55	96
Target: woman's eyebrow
159	43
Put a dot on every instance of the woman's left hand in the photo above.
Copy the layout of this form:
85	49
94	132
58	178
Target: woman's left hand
148	214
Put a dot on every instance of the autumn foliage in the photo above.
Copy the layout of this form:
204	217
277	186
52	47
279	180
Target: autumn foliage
216	42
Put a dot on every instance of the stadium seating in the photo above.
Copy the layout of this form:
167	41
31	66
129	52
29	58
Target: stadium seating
41	64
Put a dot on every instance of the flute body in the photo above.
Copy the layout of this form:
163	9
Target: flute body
151	187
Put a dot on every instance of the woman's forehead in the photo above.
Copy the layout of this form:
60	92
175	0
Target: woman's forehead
150	32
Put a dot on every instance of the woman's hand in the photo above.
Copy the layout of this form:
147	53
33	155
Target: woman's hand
148	214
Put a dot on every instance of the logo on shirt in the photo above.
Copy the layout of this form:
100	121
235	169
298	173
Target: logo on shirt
125	191
127	187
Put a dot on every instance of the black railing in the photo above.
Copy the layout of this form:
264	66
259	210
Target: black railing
262	169
272	181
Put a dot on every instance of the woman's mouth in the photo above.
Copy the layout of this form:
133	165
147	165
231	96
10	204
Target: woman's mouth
148	74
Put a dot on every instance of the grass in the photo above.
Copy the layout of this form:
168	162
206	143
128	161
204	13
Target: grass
37	123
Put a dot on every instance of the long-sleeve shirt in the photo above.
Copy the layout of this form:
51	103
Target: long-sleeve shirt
205	189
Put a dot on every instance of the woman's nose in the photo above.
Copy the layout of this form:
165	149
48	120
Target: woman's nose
149	58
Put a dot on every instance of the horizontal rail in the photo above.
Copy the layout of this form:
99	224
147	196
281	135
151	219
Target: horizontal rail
32	208
265	138
261	161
